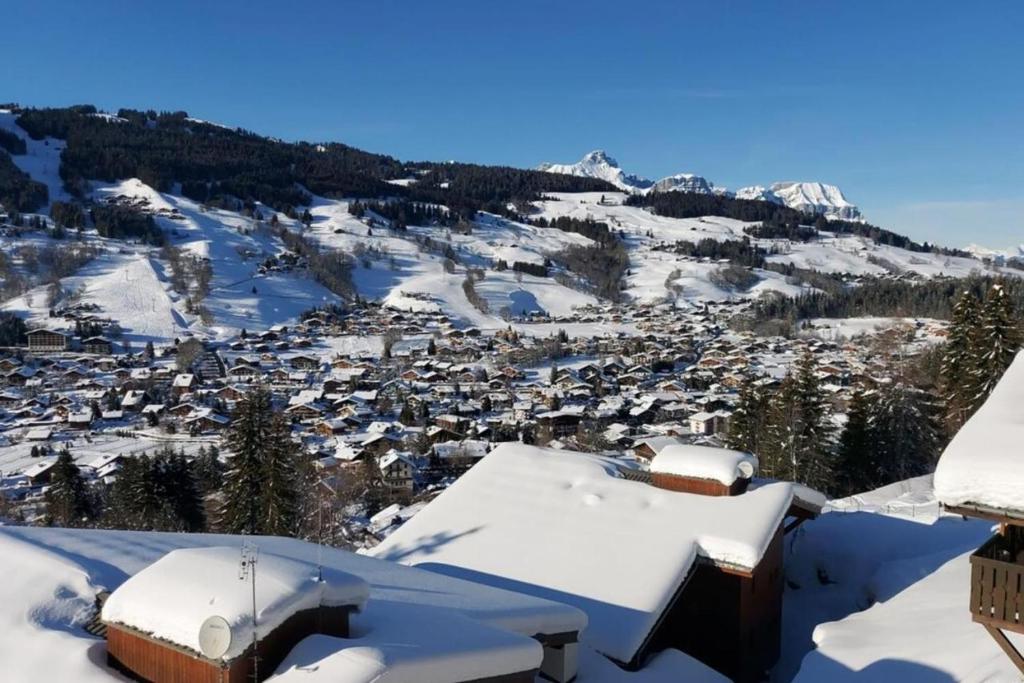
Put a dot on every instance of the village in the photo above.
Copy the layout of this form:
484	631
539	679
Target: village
408	396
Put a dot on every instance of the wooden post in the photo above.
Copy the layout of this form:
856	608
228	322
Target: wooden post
1007	647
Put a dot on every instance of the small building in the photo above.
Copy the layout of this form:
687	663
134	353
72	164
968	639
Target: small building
100	346
695	571
42	340
155	618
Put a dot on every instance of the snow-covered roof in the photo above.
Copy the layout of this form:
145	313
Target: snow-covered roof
704	462
413	643
545	522
172	597
982	465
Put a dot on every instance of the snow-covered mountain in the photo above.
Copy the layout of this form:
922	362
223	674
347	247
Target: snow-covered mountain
817	198
810	197
598	164
684	182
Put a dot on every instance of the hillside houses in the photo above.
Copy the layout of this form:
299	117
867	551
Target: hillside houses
430	407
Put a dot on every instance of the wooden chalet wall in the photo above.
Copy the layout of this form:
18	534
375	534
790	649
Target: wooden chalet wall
144	658
703	487
730	620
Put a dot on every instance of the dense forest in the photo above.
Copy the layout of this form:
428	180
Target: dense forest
18	192
934	298
208	160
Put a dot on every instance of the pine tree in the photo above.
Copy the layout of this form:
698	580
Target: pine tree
67	499
957	360
996	343
260	492
905	432
407	416
856	466
280	498
747	422
797	433
247	436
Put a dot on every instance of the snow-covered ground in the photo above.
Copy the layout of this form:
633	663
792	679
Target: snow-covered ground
877	590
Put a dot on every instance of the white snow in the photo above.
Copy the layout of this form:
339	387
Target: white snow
545	521
983	463
172	597
53	575
922	634
705	462
411	644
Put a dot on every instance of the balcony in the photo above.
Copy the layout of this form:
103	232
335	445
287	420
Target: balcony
997	588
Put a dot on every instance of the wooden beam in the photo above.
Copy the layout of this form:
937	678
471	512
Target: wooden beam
1007	647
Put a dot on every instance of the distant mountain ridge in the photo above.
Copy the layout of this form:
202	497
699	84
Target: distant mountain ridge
812	197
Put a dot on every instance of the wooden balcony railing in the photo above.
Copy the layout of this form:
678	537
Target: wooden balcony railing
997	581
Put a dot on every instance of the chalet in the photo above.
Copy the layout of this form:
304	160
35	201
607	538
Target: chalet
183	384
155	619
40	471
705	569
397	471
42	340
645	449
980	474
98	345
560	423
207	421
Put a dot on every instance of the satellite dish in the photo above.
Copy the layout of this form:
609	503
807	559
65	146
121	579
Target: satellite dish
215	637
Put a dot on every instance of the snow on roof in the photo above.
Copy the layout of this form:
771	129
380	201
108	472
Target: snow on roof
982	465
172	597
705	462
412	643
545	522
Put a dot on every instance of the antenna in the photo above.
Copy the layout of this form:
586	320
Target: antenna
247	570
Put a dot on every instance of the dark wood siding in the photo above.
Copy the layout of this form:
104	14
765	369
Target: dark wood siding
730	620
704	487
147	659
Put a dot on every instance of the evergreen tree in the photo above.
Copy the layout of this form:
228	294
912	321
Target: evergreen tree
905	432
68	502
957	360
747	421
208	470
259	490
798	434
280	499
856	466
407	416
996	343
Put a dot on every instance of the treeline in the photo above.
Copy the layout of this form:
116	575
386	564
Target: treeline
779	220
602	267
403	213
18	192
738	252
933	298
119	222
12	142
589	228
893	431
212	161
208	160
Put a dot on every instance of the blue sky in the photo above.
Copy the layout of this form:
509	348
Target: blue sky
915	108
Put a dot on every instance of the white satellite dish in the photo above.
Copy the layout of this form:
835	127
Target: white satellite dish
215	637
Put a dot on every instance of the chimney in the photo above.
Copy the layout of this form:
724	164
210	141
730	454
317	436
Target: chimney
703	470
